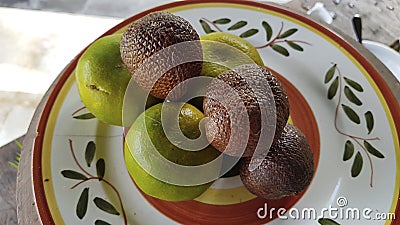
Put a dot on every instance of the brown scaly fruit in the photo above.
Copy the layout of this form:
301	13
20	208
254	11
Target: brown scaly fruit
286	170
250	82
150	34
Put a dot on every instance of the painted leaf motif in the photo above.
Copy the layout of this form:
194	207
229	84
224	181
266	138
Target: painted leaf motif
222	21
330	73
89	152
248	33
371	149
357	165
295	46
354	84
101	222
369	118
105	206
351	114
282	50
81	207
348	150
287	33
206	27
325	221
73	175
238	25
268	30
85	116
100	168
333	88
351	96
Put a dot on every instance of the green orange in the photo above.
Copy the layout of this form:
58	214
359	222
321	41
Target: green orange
102	80
223	51
147	134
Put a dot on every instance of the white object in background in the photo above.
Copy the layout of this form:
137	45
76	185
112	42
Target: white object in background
36	46
318	11
16	124
389	57
16	78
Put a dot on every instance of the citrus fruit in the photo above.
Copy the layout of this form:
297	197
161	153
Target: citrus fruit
146	141
223	51
102	80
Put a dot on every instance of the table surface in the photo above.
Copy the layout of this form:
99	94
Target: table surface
381	23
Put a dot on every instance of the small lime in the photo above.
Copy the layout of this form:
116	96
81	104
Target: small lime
102	80
147	134
223	51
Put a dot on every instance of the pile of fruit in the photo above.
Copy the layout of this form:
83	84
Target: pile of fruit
243	110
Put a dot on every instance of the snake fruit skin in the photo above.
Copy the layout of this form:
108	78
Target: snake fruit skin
286	170
254	85
149	35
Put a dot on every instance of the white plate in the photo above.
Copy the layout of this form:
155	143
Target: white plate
389	57
366	182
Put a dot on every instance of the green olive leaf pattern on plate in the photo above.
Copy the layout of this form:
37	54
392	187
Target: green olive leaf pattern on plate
369	118
81	207
268	30
84	174
280	43
206	27
347	93
89	153
287	33
348	150
295	46
351	96
357	165
82	115
326	221
85	116
238	25
105	206
101	222
248	33
333	88
73	175
222	21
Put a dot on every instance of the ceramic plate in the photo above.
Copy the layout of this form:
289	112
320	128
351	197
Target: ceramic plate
387	55
338	99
